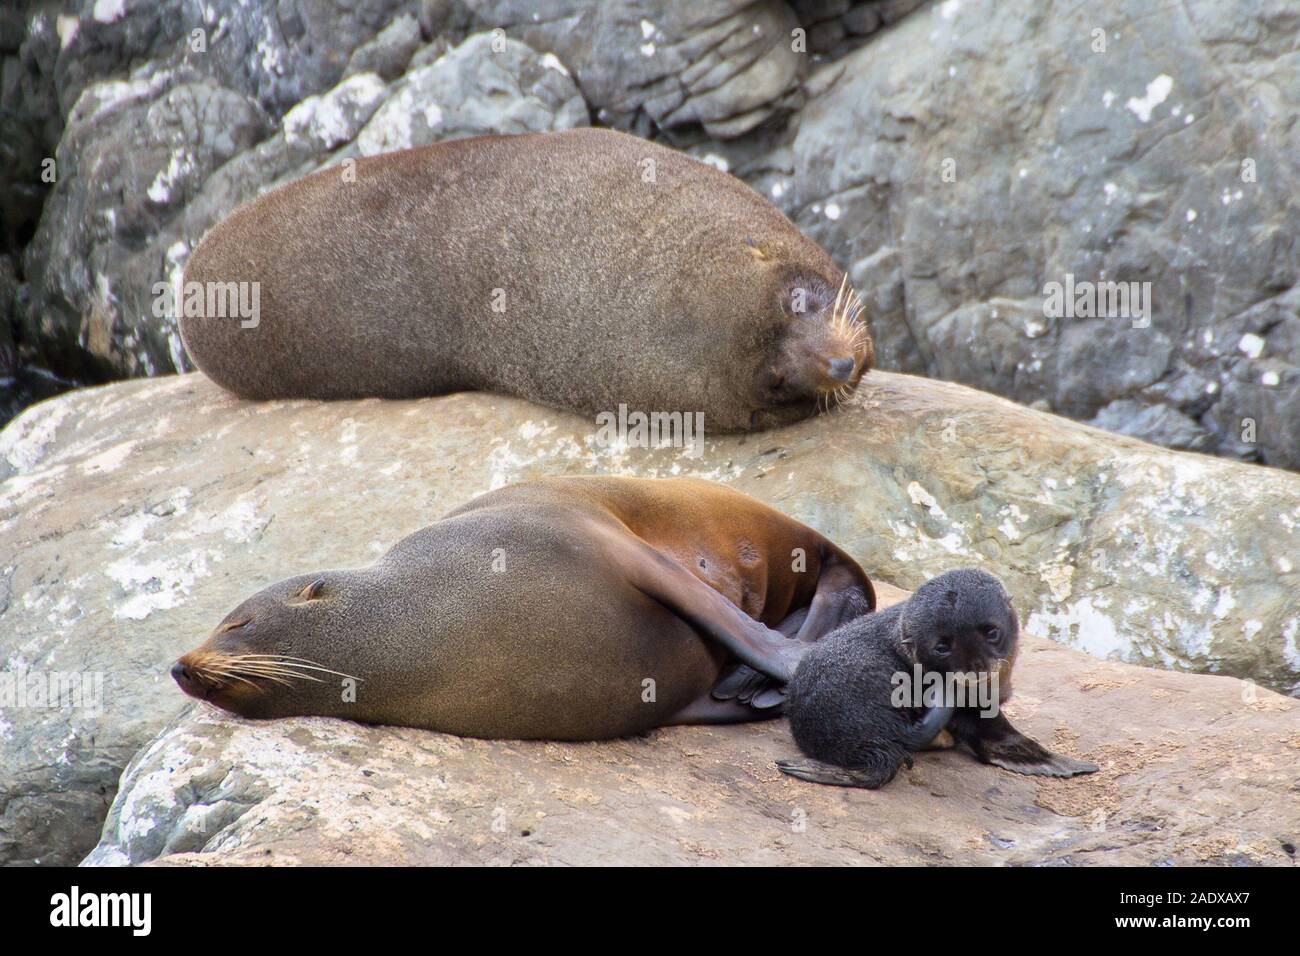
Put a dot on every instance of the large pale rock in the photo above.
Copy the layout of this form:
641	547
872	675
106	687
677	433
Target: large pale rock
137	514
1193	772
982	149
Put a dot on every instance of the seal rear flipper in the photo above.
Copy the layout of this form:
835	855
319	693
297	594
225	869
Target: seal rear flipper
749	687
771	697
709	710
878	771
662	579
841	595
791	625
740	683
999	743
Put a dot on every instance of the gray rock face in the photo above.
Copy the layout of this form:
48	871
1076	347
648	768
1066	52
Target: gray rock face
149	164
725	64
390	52
134	516
130	161
474	89
273	52
51	52
983	149
958	164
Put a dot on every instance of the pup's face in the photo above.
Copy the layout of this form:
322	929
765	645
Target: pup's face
820	348
963	622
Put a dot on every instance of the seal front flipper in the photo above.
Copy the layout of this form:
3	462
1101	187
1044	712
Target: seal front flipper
995	741
923	732
878	771
662	579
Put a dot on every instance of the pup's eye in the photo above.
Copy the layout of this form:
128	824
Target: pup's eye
993	635
942	649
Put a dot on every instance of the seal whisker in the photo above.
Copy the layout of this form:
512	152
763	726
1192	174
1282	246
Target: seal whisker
267	668
244	675
239	667
835	310
282	677
207	673
245	680
283	660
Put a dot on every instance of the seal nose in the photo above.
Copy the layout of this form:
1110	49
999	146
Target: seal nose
181	674
840	369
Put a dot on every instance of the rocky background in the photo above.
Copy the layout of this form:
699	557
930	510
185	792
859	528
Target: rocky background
955	157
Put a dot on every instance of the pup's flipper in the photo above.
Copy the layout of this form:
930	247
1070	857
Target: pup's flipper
1000	744
875	774
921	733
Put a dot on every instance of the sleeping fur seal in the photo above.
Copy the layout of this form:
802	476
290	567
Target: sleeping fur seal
581	269
563	608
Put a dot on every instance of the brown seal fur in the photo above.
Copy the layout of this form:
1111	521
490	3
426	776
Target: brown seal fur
688	293
563	608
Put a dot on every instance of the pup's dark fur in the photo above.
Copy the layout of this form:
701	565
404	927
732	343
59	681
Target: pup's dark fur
839	702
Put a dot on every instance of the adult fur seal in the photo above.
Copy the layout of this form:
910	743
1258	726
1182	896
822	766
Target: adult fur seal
960	623
581	269
564	608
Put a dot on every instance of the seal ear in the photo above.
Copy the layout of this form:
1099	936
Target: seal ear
906	642
754	250
309	592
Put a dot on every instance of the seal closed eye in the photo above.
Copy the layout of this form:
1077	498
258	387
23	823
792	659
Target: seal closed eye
564	608
581	269
840	701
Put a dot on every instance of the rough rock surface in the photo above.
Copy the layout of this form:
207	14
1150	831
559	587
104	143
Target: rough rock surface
982	149
724	64
148	166
136	515
178	72
1193	772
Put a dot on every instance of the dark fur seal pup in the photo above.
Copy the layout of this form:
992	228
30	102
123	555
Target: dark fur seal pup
565	608
839	704
579	269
